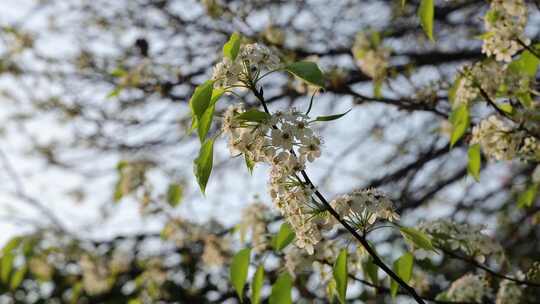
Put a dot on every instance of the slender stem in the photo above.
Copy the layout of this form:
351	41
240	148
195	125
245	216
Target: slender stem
489	270
363	241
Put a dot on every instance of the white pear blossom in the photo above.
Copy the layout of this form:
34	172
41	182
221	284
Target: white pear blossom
509	293
469	288
284	141
488	75
251	60
364	207
496	138
465	237
371	57
254	221
505	23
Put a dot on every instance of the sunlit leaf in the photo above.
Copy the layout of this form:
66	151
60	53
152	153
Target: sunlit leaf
460	123
281	290
308	71
331	117
232	47
475	161
174	194
341	275
527	197
283	238
239	271
203	163
256	285
426	13
417	237
403	267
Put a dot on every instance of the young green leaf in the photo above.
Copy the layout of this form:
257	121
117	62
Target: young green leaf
250	164
11	245
253	115
256	285
371	271
475	161
17	278
239	271
200	101
403	267
232	47
340	275
331	117
174	194
204	123
527	197
6	266
283	238
426	13
203	163
308	71
417	237
460	123
527	64
281	290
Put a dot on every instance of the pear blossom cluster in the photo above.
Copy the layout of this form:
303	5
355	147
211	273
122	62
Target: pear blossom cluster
286	142
254	221
505	23
499	140
488	75
465	237
509	293
213	251
365	207
251	60
371	57
469	288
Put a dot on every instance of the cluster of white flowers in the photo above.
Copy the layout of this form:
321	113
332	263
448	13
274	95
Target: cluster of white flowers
500	141
286	142
505	23
488	75
95	275
509	293
213	251
364	207
465	237
254	220
371	57
251	59
468	288
496	138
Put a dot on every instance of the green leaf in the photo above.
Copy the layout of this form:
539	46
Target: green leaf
174	194
341	275
527	197
200	101
232	47
308	71
7	265
203	163
250	164
371	270
239	271
417	237
460	123
403	268
426	12
204	123
331	117
281	290
527	64
253	115
256	285
283	238
475	161
11	245
17	278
